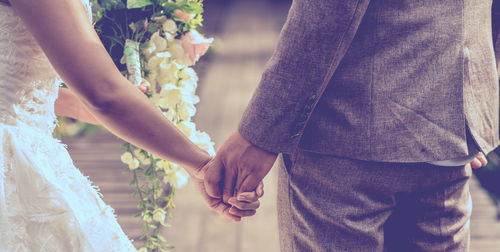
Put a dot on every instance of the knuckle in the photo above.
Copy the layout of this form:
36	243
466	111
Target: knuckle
257	204
211	180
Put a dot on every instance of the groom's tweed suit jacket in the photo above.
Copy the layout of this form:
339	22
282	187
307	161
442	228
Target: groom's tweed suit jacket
385	80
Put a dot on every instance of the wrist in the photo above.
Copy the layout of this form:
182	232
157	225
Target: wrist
197	161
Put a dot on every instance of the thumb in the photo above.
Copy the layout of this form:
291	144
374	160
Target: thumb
213	177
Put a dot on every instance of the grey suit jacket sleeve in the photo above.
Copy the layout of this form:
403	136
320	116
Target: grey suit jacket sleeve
312	43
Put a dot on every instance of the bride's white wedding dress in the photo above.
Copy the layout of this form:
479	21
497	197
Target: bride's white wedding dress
46	204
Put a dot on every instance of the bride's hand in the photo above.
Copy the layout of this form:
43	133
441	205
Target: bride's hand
246	201
479	161
243	205
236	210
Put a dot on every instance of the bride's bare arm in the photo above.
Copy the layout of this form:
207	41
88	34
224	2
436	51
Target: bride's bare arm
69	105
64	32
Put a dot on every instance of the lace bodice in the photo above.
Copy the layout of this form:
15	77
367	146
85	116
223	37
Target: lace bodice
28	83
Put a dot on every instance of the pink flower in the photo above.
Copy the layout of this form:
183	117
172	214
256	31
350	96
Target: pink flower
184	15
145	87
195	46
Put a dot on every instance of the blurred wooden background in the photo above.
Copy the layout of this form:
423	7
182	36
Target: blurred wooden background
246	33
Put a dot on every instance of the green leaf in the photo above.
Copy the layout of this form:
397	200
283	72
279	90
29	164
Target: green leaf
132	4
186	6
193	8
161	238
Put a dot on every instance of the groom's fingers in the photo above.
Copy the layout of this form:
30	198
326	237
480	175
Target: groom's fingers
213	178
229	183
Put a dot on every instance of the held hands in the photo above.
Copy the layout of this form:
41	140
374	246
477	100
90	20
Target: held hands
231	183
234	209
238	168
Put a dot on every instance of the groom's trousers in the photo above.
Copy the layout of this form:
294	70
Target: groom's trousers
328	204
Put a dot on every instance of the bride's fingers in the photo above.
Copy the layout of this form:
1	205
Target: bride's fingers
231	216
242	205
476	163
252	196
241	213
248	196
216	205
260	190
223	209
482	159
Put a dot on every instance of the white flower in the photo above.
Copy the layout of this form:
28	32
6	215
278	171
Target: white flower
134	164
170	114
142	157
202	140
159	42
129	159
186	111
171	95
163	165
203	137
188	73
191	98
177	51
169	73
159	215
158	193
188	85
147	217
188	128
169	37
145	161
169	26
139	154
177	179
149	49
126	157
164	55
154	63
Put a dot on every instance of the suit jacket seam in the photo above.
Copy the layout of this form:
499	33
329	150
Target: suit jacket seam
370	121
330	71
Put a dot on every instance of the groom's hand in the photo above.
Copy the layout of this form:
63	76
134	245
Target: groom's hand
238	167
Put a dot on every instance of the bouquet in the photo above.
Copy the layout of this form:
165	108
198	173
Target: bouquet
155	43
